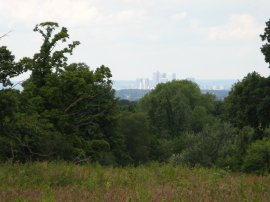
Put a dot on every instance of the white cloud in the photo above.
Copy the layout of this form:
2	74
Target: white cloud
179	16
139	2
121	17
144	34
79	11
238	26
130	15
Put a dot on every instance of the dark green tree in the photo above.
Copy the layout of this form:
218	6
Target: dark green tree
215	145
248	103
64	110
49	60
135	130
174	107
8	67
9	103
78	102
266	47
257	158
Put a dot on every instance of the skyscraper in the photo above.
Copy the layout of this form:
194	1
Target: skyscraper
156	77
163	78
173	76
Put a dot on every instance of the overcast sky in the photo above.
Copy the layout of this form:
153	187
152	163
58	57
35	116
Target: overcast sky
204	39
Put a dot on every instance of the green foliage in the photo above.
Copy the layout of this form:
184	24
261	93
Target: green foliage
69	112
126	105
174	107
9	105
200	118
163	148
62	108
249	102
257	158
266	47
8	67
214	145
9	101
100	152
134	128
48	59
248	105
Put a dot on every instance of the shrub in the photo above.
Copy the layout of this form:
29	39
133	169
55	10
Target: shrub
257	158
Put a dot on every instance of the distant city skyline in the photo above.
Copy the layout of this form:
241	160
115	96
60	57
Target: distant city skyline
146	83
158	77
205	39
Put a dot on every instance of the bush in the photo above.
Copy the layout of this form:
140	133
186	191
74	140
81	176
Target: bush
214	145
257	158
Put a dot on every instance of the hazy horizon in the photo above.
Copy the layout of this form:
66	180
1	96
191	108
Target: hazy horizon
204	39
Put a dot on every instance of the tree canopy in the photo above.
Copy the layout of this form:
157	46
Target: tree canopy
8	67
266	47
178	106
248	102
68	111
63	109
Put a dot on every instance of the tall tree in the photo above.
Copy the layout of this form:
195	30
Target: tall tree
49	60
173	107
248	102
78	103
8	67
266	47
135	130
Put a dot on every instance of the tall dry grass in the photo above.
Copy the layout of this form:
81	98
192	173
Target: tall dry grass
61	181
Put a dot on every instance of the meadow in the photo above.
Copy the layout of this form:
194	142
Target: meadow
61	181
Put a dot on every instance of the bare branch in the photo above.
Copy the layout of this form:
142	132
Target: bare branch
78	160
20	82
29	149
77	101
89	120
6	34
12	152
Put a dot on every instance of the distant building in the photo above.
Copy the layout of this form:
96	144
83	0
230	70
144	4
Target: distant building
173	76
146	83
156	77
139	83
163	78
159	77
143	83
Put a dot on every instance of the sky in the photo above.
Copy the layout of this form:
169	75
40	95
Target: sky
202	39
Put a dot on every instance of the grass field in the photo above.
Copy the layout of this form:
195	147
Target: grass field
154	182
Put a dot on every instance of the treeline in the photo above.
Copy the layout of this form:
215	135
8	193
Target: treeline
69	112
136	94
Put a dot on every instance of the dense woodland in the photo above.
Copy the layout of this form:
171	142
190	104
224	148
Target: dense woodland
69	112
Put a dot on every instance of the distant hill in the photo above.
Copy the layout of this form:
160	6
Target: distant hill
131	94
136	94
220	94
